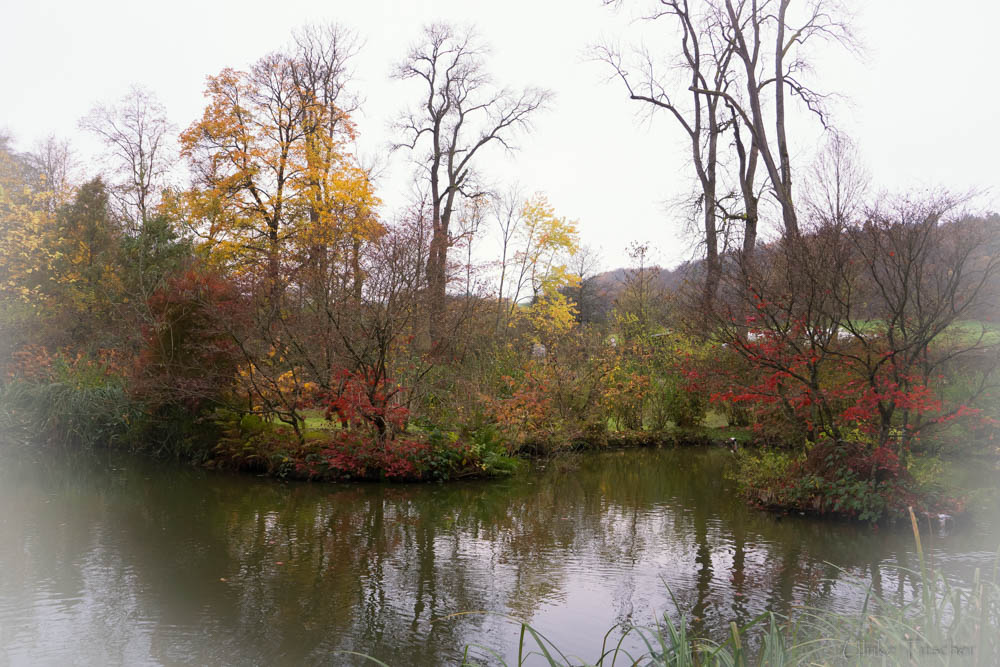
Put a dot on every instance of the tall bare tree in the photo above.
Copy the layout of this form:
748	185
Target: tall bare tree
461	112
507	212
136	135
752	55
755	29
705	57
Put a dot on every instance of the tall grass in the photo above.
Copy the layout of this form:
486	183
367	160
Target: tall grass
67	413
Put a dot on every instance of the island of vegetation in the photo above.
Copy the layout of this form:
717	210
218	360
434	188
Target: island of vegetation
267	313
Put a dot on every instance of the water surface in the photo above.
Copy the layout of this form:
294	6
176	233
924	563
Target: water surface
117	560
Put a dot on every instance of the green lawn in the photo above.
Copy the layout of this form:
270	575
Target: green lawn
314	419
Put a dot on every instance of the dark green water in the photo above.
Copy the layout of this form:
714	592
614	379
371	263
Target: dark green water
123	561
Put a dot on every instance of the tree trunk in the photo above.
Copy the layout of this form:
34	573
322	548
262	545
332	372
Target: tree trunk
713	266
436	284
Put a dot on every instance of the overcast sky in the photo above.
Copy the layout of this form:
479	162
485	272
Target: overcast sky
922	102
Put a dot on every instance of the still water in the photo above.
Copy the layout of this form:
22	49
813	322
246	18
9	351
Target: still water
116	560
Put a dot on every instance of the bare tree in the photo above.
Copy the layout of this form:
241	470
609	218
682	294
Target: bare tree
322	54
642	295
838	182
507	212
705	57
755	28
55	162
460	113
136	136
585	264
470	218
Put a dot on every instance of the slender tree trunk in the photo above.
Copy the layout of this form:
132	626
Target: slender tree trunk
356	273
713	266
273	270
707	175
788	214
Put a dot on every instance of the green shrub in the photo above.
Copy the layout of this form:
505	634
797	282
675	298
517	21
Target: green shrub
673	401
250	443
762	476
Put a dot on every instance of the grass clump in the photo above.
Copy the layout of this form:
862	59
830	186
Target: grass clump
81	402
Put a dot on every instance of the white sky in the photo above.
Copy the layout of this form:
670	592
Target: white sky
922	103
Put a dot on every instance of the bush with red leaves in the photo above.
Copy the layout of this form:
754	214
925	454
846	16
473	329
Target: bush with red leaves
189	356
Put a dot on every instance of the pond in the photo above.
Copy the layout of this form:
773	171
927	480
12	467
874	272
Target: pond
111	559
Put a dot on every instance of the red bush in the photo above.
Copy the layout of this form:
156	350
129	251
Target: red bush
190	356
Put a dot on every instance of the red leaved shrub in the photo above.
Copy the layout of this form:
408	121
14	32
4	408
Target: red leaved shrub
189	355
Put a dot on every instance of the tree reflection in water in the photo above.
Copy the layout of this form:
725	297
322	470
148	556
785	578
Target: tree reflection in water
122	560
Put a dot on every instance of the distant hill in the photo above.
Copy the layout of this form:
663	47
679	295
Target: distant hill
596	295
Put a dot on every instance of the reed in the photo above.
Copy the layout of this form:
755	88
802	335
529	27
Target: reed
79	415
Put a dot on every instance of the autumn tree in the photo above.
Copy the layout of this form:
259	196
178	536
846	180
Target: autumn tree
861	326
189	358
60	268
537	246
460	112
340	196
26	219
27	226
374	332
244	163
275	179
546	243
283	206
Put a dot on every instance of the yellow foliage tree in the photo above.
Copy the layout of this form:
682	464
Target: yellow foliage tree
283	206
276	183
27	223
547	242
